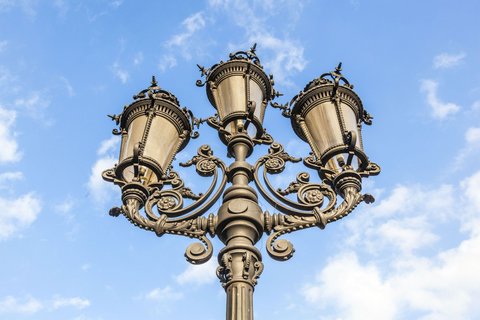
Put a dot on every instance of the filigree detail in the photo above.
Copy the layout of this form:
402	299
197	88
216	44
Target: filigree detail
224	270
110	176
250	55
348	185
252	267
281	249
196	253
155	92
205	163
276	158
286	111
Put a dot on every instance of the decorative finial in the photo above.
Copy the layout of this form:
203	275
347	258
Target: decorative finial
154	81
253	48
338	69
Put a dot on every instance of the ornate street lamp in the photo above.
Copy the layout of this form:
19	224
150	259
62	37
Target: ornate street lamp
327	114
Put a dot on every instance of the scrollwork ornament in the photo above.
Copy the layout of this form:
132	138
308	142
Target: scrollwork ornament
275	165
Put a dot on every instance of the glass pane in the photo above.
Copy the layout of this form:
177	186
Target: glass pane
230	96
134	136
323	126
256	94
162	141
351	122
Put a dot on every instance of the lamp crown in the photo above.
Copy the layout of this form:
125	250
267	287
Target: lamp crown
154	91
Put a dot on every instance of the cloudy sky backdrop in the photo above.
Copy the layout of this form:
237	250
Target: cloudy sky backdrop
64	65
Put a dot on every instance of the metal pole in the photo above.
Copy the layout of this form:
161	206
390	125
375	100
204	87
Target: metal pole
239	227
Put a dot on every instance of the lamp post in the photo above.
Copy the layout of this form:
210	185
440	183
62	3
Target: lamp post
327	114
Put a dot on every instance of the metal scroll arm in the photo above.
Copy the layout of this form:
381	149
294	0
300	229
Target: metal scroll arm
170	201
279	224
308	211
309	195
196	253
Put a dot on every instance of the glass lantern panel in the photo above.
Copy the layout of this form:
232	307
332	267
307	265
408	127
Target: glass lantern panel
231	96
256	95
162	141
134	136
351	122
323	126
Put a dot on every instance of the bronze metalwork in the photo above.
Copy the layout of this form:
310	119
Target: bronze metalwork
327	114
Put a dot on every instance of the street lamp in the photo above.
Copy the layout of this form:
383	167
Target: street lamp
327	114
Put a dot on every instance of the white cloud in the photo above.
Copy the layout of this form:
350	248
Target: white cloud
8	143
34	106
471	188
471	148
356	291
75	302
10	176
404	282
163	294
108	145
473	135
30	305
182	43
68	86
440	109
101	190
167	61
191	25
446	60
3	45
138	58
86	267
120	73
61	6
116	3
11	305
198	274
284	55
476	106
18	214
65	206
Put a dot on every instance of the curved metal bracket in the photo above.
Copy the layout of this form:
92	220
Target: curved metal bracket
170	201
196	253
309	195
308	210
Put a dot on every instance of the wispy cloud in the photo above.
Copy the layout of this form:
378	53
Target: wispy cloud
12	305
75	302
476	105
138	58
440	110
99	189
68	86
18	213
3	45
447	60
120	73
471	149
30	305
164	294
182	42
8	142
7	177
198	274
35	105
191	25
284	54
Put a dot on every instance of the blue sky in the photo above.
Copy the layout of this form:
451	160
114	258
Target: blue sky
64	65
